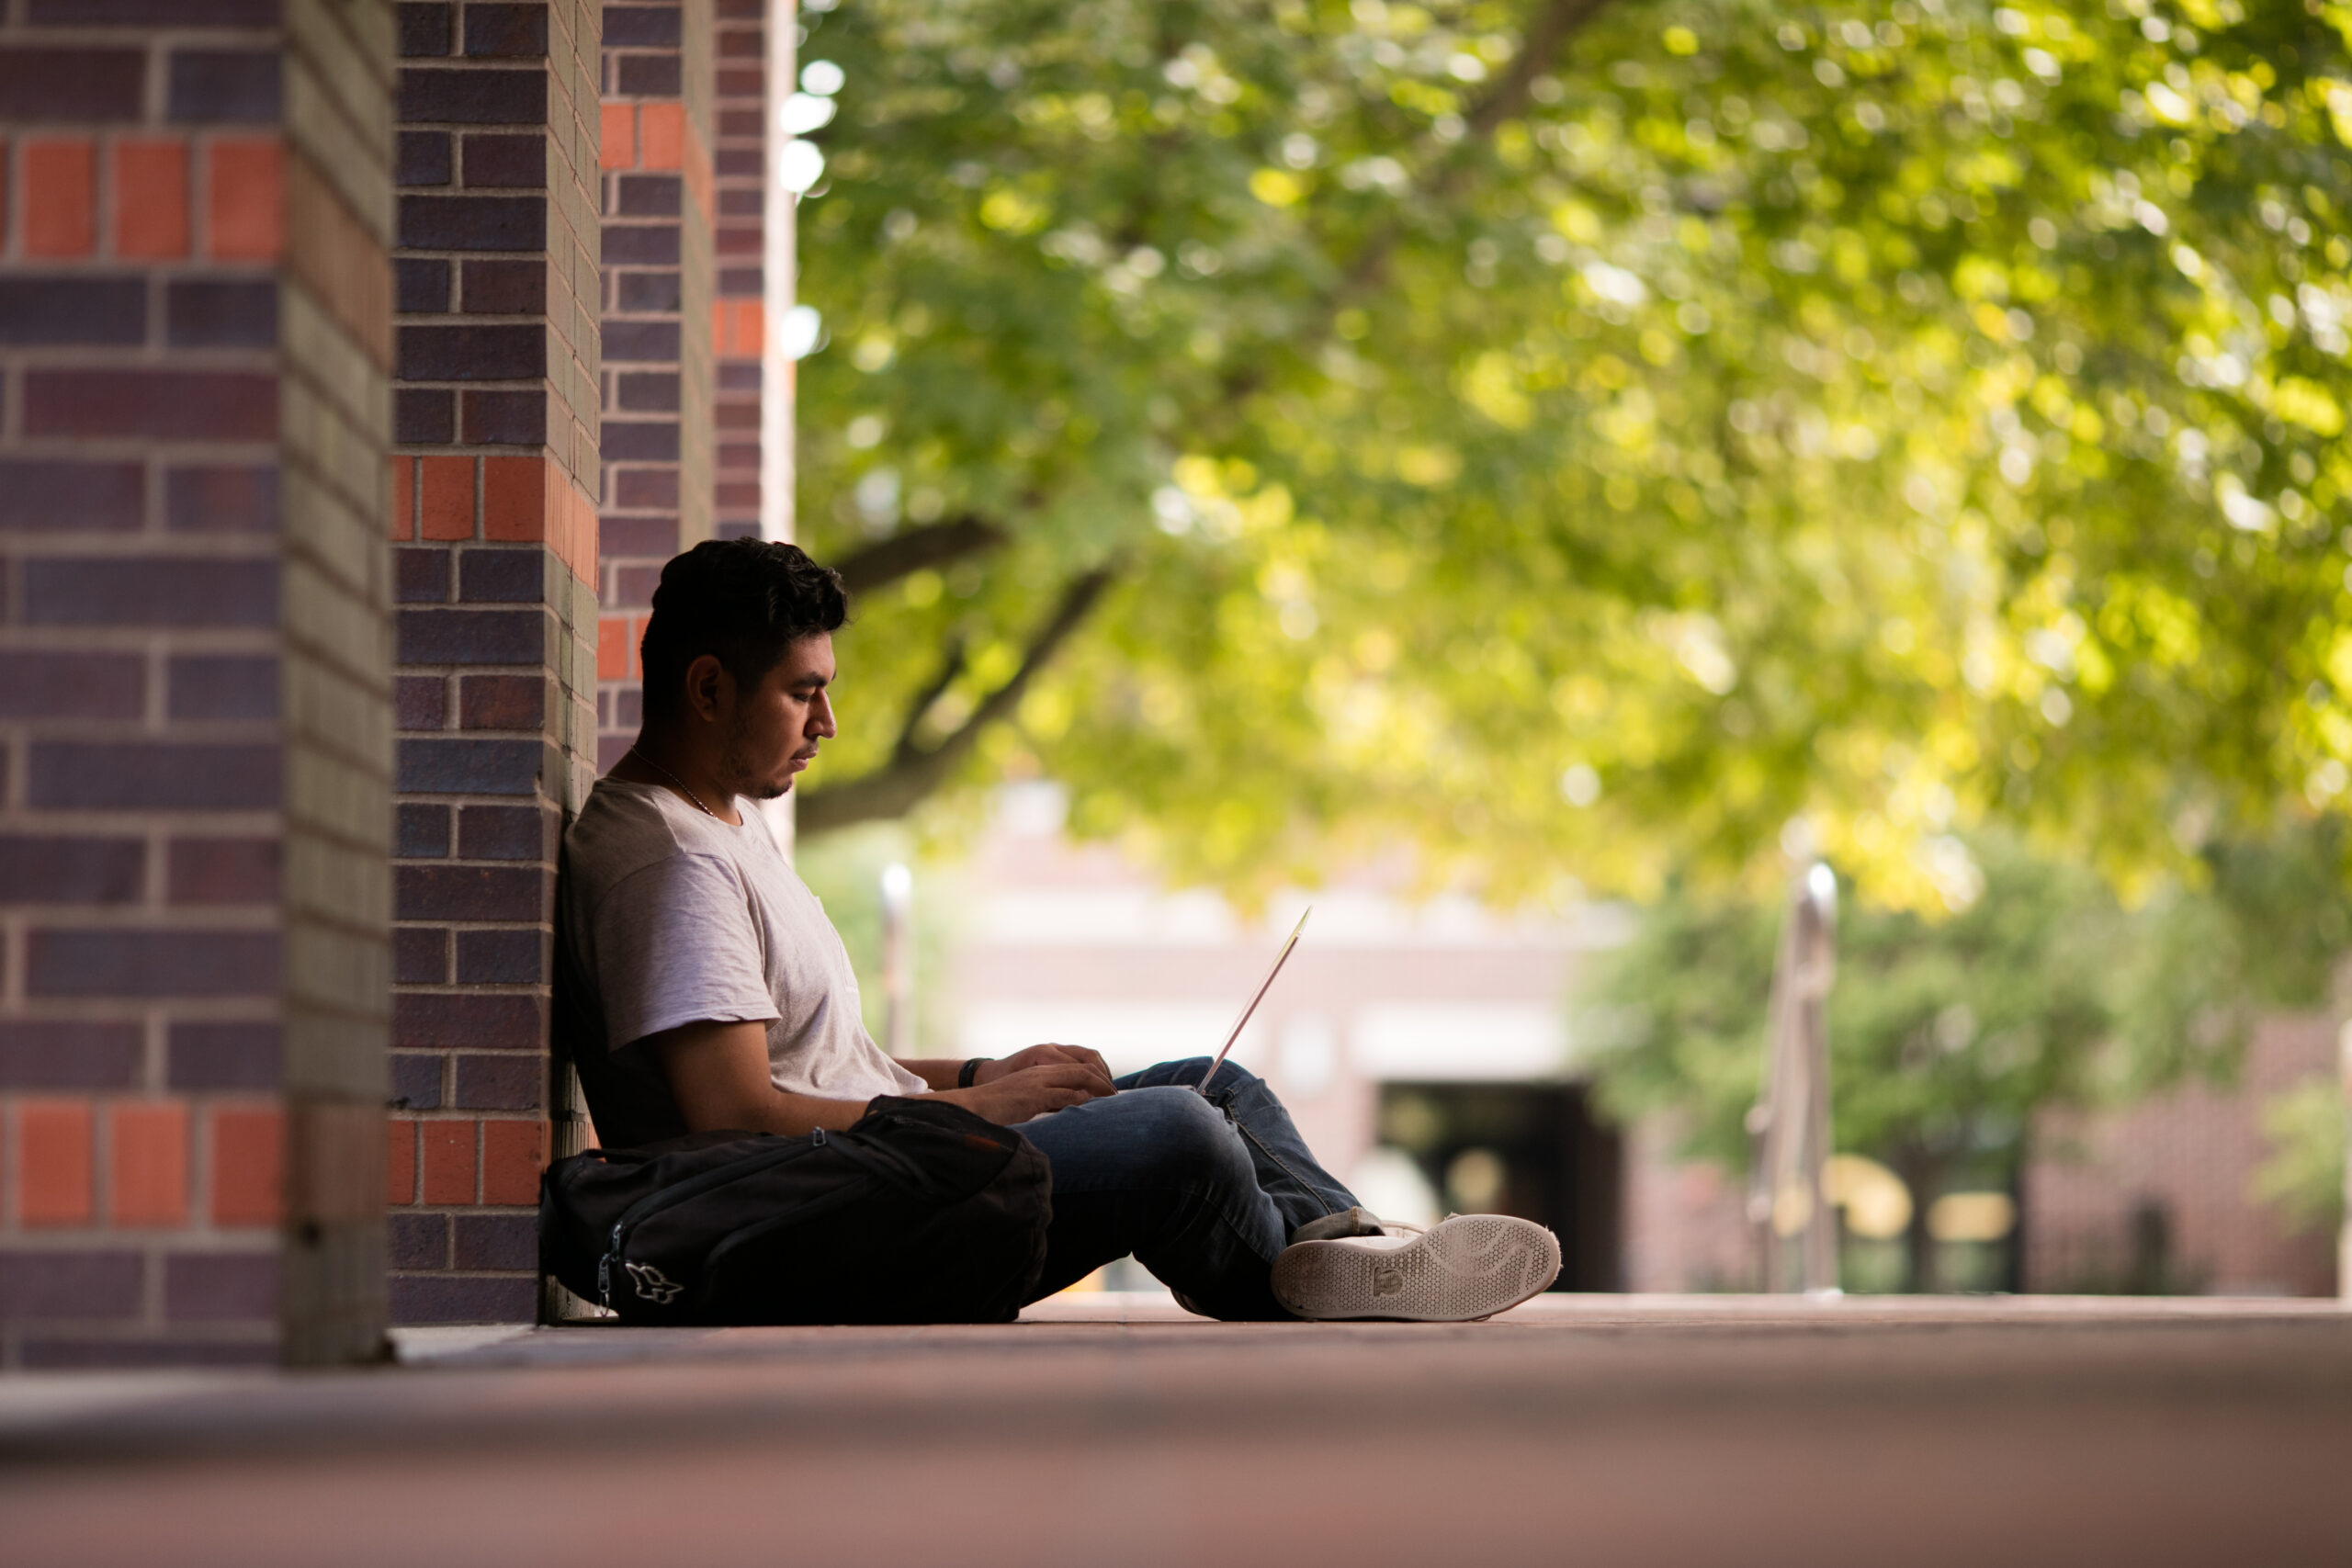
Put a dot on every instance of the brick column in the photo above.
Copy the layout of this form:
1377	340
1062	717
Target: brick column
739	320
494	503
194	735
657	385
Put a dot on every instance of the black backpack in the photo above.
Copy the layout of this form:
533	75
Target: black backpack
922	1212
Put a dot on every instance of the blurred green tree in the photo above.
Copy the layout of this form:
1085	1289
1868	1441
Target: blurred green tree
1946	1035
1575	438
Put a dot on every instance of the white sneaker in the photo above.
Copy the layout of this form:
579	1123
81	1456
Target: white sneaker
1468	1265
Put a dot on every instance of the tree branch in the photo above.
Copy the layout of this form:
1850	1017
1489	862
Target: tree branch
917	550
914	771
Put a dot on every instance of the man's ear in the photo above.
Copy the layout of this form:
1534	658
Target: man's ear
710	688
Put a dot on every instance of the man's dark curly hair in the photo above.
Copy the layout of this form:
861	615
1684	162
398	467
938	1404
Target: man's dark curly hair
743	601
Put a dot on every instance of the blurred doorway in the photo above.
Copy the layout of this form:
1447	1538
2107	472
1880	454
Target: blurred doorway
1533	1150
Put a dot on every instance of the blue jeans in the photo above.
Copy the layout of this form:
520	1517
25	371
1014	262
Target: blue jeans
1203	1192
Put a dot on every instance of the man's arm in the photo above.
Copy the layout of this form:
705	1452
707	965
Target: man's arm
718	1075
942	1073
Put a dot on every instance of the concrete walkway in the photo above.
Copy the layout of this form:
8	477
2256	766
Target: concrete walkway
1115	1429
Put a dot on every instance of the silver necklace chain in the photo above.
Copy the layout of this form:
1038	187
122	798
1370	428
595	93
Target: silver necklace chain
675	779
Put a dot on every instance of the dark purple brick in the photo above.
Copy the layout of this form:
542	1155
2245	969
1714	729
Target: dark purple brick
420	956
225	1055
497	958
741	125
435	97
631	342
220	501
638	441
40	1283
497	576
38	493
467	893
444	1021
653	392
188	590
223	686
416	1241
649	77
421	288
498	1241
649	487
514	32
641	27
72	685
473	222
160	776
464	1298
150	964
426	158
163	405
158	13
741	204
629	705
63	1354
71	871
98	310
420	702
209	1286
649	195
427	30
649	290
741	283
741	82
740	163
423	418
645	244
505	163
221	871
69	1053
470	767
208	313
504	353
470	636
502	832
421	833
633	585
742	43
503	288
638	537
416	1080
420	575
71	84
504	419
215	86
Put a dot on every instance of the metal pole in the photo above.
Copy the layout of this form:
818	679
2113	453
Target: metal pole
1788	1206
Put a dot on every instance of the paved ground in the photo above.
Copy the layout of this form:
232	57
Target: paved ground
1114	1430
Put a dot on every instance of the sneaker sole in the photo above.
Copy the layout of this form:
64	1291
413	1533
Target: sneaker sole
1471	1267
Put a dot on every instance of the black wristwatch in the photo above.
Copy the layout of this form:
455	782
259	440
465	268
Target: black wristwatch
963	1079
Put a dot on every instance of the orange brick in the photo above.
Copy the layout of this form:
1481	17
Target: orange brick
448	1161
246	202
737	327
611	648
149	1161
248	1166
617	147
54	1165
513	1155
402	523
513	498
399	1162
662	136
61	198
150	199
448	498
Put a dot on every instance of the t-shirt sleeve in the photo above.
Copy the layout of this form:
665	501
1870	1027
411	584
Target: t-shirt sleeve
675	943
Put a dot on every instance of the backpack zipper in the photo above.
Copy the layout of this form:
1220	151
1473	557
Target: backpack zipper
678	1192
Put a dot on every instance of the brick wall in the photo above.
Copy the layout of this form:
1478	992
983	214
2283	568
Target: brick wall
194	746
738	318
658	208
496	483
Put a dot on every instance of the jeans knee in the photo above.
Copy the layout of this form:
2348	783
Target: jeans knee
1186	1138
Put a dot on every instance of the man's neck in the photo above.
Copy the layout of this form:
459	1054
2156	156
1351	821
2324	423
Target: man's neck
663	761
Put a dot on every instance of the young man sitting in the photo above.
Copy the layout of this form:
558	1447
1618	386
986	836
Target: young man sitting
703	988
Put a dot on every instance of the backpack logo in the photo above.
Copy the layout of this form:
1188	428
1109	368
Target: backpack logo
652	1284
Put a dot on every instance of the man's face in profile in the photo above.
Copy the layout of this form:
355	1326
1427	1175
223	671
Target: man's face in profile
777	725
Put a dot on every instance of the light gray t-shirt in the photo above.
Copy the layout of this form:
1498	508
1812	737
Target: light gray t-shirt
670	917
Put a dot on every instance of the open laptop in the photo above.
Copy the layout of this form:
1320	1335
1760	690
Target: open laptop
1201	1088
